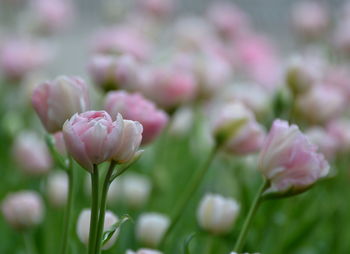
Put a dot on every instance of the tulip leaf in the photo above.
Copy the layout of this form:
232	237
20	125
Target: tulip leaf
188	240
107	235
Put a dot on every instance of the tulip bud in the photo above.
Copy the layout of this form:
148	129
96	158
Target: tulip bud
32	154
135	107
57	188
136	189
23	209
92	138
56	101
231	118
150	228
289	162
248	139
83	227
217	214
129	142
182	121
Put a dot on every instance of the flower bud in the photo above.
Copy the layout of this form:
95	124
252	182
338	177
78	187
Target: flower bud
143	251
92	138
23	209
248	139
217	214
56	101
136	189
129	142
31	154
150	228
83	227
57	188
230	119
135	107
289	161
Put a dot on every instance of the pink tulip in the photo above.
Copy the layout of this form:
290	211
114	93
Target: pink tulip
122	40
326	143
19	57
312	105
129	142
310	18
56	101
157	8
92	137
53	15
113	72
31	154
289	161
228	18
170	87
249	139
23	209
135	107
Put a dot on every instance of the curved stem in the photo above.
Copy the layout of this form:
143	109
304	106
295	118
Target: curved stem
94	210
69	208
187	195
254	207
103	204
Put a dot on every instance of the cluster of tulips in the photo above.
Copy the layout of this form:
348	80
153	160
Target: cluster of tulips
166	100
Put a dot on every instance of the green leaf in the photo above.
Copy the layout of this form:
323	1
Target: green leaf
188	240
109	232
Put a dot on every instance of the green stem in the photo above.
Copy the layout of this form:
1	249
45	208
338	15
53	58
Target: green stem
94	209
69	208
103	204
254	207
187	195
28	243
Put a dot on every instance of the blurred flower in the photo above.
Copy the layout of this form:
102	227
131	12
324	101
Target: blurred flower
129	142
56	101
122	40
341	36
228	18
143	251
310	18
339	77
217	214
339	129
31	154
170	88
23	209
114	72
19	57
313	108
150	228
52	15
83	227
258	59
157	8
136	189
135	107
92	137
57	188
289	161
323	140
182	121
